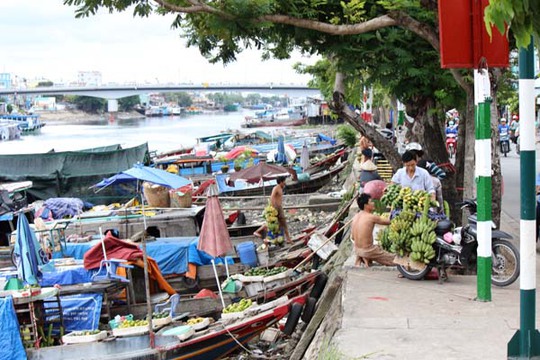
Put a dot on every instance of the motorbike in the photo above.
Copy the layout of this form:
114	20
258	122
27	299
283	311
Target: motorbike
461	251
451	144
504	142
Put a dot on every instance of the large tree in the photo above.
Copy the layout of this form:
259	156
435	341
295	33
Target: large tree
331	28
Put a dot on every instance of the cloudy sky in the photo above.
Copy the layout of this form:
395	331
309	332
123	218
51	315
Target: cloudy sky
42	39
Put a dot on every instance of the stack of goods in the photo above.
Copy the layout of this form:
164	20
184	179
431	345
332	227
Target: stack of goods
236	310
271	216
409	235
400	198
260	279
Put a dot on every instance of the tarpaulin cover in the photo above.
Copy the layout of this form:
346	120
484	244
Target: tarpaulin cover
69	173
261	171
62	207
118	249
169	253
67	276
79	311
201	258
322	137
11	346
145	173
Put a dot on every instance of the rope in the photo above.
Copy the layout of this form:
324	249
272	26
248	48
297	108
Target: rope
238	342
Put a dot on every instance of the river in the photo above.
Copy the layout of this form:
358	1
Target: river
161	133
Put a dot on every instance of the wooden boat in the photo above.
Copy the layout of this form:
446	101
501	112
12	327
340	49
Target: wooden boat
214	343
27	123
314	183
254	123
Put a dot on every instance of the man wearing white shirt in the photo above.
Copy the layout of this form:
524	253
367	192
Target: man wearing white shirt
413	176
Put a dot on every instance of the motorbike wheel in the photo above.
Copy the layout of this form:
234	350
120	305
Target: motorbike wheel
504	263
413	274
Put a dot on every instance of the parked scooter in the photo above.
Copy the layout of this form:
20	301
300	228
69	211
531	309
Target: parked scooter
461	251
451	144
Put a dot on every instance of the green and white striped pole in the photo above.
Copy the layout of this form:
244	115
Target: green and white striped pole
482	147
525	343
401	113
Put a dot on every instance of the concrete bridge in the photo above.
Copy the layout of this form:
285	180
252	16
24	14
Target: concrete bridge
113	93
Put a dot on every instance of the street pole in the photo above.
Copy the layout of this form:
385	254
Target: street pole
482	147
525	343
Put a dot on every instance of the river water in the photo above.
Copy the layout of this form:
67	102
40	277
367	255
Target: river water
161	133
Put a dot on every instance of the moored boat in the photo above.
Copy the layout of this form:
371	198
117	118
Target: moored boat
27	123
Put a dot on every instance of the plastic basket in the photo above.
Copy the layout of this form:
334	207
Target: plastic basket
74	338
253	288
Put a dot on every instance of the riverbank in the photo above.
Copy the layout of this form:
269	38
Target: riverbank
62	116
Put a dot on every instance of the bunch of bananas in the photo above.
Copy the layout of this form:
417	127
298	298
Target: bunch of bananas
423	237
195	321
399	197
270	215
238	307
391	193
399	233
384	241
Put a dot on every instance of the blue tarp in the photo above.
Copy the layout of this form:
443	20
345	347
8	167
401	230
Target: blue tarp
199	257
67	276
322	137
169	253
80	311
11	347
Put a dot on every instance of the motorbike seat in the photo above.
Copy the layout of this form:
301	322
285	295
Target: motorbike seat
443	226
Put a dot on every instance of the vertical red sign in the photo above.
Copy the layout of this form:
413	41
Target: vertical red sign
463	37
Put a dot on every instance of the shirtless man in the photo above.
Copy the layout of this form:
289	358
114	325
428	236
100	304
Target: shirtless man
362	234
276	199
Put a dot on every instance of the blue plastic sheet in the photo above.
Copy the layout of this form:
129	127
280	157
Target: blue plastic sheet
198	257
11	347
171	254
80	311
67	276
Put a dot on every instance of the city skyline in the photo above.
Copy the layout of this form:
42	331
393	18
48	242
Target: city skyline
46	41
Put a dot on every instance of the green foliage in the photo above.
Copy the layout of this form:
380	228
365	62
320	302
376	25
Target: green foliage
521	15
89	104
348	134
128	103
9	108
181	98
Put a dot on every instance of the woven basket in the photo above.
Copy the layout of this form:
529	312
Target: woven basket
180	201
156	195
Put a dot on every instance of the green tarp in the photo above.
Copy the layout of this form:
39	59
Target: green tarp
69	173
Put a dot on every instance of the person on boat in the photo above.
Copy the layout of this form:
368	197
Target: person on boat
368	170
413	176
362	234
276	199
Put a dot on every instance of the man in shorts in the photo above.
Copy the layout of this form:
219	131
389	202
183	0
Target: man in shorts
362	234
276	199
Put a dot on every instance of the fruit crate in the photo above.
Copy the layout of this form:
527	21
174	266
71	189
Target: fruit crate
75	338
130	331
274	281
253	288
162	322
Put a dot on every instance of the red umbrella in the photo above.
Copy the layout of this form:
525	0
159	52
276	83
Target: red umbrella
262	170
214	237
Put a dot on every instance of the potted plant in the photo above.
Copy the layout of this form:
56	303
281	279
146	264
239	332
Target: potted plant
238	163
225	164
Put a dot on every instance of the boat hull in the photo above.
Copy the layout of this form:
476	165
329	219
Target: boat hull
269	123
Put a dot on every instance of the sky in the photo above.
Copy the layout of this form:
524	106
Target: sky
42	39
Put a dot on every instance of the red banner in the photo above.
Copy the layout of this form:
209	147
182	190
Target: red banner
464	39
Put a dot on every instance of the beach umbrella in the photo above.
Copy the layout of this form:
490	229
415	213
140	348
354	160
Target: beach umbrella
139	172
304	157
214	237
281	157
29	255
261	171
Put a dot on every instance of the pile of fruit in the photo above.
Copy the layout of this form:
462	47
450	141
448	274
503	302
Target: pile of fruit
238	307
398	197
261	271
270	215
408	235
132	323
86	333
195	321
160	315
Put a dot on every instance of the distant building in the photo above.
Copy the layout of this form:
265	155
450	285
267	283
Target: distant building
5	80
89	78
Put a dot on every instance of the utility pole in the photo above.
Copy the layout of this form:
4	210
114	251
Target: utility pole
525	344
